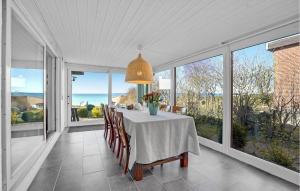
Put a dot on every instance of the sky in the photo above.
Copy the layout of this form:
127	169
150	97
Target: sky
31	81
90	83
119	85
27	80
257	50
97	83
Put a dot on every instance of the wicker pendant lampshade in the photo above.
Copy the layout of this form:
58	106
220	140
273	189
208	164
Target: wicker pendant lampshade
139	71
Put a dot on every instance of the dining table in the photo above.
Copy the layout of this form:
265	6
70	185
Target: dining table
157	139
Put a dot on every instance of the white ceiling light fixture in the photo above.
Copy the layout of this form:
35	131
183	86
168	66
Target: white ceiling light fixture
139	71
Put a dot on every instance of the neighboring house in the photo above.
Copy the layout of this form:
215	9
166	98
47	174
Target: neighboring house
38	106
286	53
26	102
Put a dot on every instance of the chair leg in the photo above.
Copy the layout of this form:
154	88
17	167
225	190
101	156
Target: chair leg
105	131
121	157
115	142
112	137
119	147
127	161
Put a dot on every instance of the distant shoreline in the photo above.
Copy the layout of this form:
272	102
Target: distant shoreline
77	99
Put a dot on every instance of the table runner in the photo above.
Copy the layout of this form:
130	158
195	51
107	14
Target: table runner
159	137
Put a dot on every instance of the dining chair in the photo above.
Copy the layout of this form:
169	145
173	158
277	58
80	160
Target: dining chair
123	140
166	108
106	122
162	107
176	109
113	130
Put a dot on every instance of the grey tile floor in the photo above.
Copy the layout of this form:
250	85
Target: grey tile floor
82	161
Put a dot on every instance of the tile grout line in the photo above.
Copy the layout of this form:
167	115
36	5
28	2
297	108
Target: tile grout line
57	176
159	181
107	178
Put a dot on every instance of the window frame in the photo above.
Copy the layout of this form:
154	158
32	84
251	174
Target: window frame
12	178
226	49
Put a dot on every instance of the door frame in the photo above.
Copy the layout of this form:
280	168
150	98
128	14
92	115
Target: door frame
84	68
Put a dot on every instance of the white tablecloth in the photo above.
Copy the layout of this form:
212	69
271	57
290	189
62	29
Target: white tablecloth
159	137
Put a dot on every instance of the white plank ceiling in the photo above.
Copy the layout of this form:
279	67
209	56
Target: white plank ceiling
107	32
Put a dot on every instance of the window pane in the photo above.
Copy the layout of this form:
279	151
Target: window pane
266	101
27	94
122	93
199	88
89	94
162	83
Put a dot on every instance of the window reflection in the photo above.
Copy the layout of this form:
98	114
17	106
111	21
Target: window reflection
27	94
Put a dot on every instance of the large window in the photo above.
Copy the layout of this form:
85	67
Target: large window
89	94
199	88
266	101
27	94
122	93
162	83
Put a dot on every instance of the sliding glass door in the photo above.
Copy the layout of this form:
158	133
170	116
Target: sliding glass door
27	94
88	92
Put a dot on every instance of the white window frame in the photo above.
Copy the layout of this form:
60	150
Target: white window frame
84	68
68	90
25	172
225	49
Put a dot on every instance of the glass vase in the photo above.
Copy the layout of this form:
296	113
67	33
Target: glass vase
152	108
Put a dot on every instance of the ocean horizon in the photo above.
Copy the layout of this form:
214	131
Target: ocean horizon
77	99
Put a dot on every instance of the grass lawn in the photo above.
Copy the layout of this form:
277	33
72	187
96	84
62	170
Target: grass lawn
208	131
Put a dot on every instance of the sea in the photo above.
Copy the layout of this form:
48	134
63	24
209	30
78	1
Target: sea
77	99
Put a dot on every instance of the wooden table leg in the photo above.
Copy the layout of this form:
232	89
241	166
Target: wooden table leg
184	159
138	172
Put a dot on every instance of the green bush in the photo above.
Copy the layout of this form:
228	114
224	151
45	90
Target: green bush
239	135
28	116
90	107
96	112
279	155
14	117
83	112
39	116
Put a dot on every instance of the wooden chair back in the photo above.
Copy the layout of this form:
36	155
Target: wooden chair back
111	115
178	109
121	129
166	108
123	138
106	118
